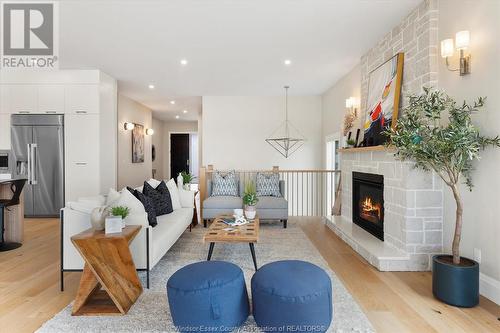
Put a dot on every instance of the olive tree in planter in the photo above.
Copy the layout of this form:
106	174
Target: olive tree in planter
449	148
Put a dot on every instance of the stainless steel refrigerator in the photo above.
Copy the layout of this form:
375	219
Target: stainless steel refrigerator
38	155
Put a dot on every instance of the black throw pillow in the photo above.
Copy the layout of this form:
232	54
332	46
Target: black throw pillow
162	188
149	207
160	196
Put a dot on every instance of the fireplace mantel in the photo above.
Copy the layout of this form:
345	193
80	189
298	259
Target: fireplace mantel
367	149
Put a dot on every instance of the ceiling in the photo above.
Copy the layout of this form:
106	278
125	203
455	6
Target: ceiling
233	47
168	112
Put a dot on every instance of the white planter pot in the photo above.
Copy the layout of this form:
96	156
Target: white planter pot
250	212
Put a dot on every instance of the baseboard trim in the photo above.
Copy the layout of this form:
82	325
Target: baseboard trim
489	288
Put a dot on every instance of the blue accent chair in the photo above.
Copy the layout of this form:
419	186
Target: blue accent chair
292	296
207	295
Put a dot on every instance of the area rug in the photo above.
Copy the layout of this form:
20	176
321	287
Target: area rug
151	313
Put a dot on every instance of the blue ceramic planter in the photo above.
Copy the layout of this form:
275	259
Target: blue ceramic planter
455	285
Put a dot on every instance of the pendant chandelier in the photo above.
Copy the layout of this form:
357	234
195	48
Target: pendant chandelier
286	139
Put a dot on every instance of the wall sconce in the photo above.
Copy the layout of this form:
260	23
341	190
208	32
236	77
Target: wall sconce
128	126
462	40
352	104
150	131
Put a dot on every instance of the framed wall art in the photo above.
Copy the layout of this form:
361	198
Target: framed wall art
138	144
384	91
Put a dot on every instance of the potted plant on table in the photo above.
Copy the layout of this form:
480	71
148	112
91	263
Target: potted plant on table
187	178
449	149
250	200
120	211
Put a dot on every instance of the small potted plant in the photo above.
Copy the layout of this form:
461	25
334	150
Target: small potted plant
120	211
448	148
250	200
187	178
351	143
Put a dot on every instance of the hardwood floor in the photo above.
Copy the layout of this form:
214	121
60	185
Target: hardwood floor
393	301
397	301
29	279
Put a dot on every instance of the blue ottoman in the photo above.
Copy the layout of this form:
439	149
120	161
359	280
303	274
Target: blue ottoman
208	295
292	296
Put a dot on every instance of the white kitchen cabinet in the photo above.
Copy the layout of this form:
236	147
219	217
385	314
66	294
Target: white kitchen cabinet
81	132
5	131
82	99
51	99
88	99
23	98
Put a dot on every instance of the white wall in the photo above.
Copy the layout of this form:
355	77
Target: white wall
132	174
194	153
108	95
481	229
157	139
235	129
333	104
174	127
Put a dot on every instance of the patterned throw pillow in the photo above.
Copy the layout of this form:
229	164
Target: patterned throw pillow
148	204
160	196
224	185
268	185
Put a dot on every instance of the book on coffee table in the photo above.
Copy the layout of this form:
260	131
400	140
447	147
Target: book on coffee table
233	221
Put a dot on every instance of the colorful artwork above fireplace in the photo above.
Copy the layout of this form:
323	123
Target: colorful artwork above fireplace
384	88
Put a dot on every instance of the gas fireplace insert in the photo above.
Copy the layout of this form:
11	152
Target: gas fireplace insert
368	202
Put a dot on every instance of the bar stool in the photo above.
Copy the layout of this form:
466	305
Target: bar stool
16	187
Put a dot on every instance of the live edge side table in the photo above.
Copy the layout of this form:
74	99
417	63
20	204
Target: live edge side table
109	284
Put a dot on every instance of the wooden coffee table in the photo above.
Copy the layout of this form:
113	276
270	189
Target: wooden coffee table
219	232
109	283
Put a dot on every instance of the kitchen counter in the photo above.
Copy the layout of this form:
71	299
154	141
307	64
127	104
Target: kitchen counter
14	217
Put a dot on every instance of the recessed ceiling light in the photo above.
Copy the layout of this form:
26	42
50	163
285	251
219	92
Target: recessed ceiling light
184	62
287	62
151	86
177	117
172	102
185	111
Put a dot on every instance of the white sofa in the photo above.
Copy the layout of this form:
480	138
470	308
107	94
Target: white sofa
148	247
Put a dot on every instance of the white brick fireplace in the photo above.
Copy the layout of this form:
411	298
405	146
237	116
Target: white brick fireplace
413	209
413	200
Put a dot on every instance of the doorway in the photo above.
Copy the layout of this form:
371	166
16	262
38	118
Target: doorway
179	153
183	153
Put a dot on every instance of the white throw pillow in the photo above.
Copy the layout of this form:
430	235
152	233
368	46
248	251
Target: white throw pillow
127	199
113	195
174	194
154	182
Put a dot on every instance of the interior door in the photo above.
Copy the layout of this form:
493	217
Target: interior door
179	154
